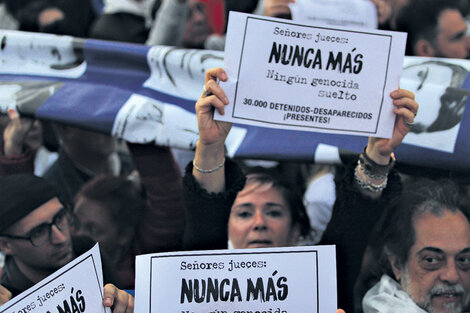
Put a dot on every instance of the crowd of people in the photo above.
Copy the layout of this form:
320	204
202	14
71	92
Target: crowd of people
402	238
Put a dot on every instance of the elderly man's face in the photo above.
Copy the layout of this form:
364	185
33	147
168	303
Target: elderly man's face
437	275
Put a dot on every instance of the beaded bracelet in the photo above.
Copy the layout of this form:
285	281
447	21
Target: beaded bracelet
373	169
212	170
370	186
369	173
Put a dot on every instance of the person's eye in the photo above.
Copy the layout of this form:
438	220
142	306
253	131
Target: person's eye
431	262
60	219
463	261
274	213
244	214
40	231
459	36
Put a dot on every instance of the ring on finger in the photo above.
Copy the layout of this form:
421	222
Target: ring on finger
410	125
205	91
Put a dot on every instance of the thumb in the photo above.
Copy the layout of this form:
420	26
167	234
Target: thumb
13	115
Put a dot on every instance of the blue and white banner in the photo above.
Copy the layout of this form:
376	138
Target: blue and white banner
147	94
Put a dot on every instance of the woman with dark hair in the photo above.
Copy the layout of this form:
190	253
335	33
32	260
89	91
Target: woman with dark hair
218	197
256	210
108	209
267	213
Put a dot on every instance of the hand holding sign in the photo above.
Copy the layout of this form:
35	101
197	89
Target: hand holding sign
209	157
76	287
121	301
212	133
289	279
5	295
303	77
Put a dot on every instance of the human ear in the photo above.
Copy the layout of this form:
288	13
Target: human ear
395	267
424	48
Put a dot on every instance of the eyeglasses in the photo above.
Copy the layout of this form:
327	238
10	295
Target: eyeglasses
42	233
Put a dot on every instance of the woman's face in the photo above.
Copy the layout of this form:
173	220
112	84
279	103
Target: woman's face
261	218
95	222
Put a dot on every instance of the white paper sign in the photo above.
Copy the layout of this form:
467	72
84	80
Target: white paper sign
76	287
355	13
291	76
293	280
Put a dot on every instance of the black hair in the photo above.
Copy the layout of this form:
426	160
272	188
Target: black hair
420	19
119	196
293	199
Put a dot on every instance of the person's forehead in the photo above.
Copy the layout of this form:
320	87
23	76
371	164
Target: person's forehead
451	21
92	211
397	4
449	232
42	214
254	193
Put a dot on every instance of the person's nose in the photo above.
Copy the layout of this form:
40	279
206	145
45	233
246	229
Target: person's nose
259	221
450	273
57	236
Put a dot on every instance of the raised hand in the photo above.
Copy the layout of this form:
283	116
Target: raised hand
209	158
213	98
15	133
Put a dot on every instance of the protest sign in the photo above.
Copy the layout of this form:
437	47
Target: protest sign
150	98
274	280
291	76
75	288
354	13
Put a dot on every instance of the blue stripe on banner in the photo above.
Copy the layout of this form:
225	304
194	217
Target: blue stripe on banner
84	105
279	144
123	65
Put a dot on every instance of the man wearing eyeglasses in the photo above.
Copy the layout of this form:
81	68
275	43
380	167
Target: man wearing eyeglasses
35	236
